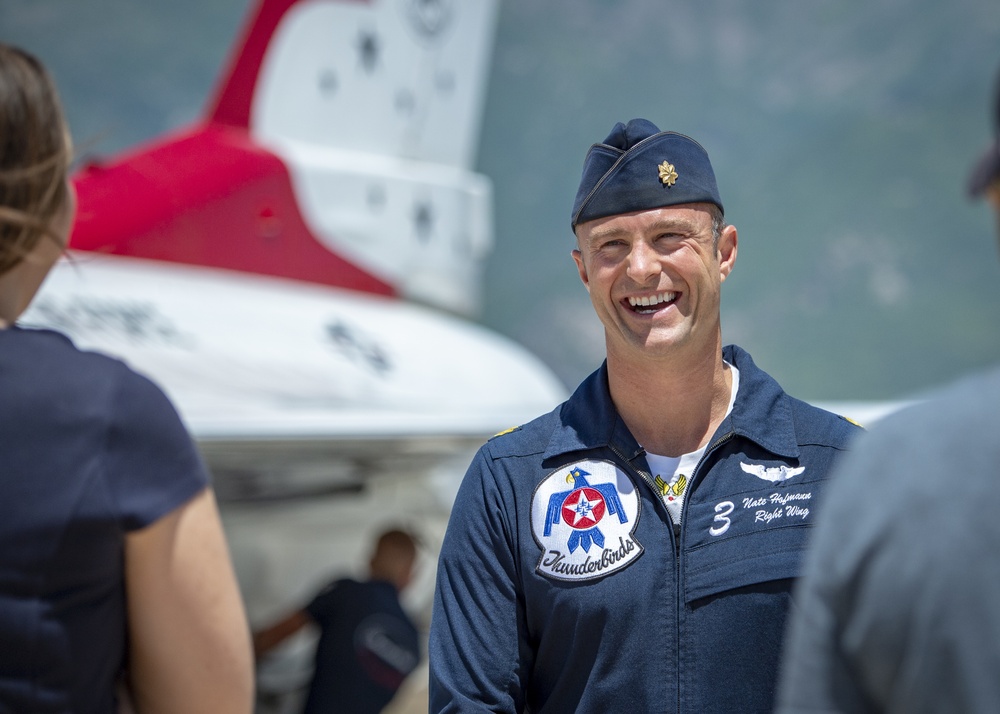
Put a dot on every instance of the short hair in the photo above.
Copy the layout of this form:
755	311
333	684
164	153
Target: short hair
394	557
718	224
35	152
398	542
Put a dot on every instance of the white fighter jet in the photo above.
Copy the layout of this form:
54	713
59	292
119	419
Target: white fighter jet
299	271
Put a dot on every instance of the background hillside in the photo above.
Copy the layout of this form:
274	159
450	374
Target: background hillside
841	132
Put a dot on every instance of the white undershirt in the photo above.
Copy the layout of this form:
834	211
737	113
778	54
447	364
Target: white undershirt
672	474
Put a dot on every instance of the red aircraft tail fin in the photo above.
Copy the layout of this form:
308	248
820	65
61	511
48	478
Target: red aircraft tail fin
338	149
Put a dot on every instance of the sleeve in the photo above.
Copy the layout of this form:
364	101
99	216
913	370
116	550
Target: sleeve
477	647
151	464
326	601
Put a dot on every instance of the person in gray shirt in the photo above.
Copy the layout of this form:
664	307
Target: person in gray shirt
899	606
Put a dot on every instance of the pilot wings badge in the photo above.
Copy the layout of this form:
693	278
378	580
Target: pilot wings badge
774	474
583	517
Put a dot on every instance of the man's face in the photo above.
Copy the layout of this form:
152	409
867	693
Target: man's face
654	278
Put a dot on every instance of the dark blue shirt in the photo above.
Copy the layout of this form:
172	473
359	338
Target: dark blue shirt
89	451
367	647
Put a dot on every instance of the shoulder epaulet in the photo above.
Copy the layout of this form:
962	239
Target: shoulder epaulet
505	432
851	421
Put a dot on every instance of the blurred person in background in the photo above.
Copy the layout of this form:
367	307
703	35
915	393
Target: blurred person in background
116	587
899	607
368	645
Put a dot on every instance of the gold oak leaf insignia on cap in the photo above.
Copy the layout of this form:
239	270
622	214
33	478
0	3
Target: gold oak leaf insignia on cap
667	174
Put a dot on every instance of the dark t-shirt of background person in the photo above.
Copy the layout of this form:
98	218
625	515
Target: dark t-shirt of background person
367	647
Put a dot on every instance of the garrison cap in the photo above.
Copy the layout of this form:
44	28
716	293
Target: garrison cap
987	168
639	167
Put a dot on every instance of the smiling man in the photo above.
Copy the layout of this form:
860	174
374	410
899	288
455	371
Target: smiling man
634	550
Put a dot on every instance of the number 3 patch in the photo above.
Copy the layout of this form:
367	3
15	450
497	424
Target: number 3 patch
722	511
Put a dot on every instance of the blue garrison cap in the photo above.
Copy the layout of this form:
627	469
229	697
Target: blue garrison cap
639	167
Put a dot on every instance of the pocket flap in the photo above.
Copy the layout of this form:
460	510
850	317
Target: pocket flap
746	559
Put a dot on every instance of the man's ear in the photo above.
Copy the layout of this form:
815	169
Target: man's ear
728	243
581	268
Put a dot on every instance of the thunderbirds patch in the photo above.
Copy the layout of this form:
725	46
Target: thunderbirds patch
583	517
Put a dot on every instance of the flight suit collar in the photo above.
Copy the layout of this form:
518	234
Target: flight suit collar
762	413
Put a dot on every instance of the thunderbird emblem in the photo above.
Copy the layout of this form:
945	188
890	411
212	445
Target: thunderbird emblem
585	531
582	508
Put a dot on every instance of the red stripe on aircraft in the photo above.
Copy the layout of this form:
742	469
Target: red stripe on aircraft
207	197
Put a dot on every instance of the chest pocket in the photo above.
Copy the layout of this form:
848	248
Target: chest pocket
776	554
746	539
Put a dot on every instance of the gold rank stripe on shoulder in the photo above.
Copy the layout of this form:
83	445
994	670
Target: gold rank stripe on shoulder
506	431
851	421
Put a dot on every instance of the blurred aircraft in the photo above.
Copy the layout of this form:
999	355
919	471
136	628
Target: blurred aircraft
298	270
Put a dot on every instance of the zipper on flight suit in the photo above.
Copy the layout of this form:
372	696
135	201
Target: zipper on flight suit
675	535
675	532
648	478
645	476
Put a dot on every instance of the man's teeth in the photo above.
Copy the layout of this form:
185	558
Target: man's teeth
648	301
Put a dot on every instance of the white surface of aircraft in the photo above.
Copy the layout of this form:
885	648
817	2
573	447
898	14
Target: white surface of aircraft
297	271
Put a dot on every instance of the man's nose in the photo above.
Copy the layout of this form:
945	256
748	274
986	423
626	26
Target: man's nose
643	262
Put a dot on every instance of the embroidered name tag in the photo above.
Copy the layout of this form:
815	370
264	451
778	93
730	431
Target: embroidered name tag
583	517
